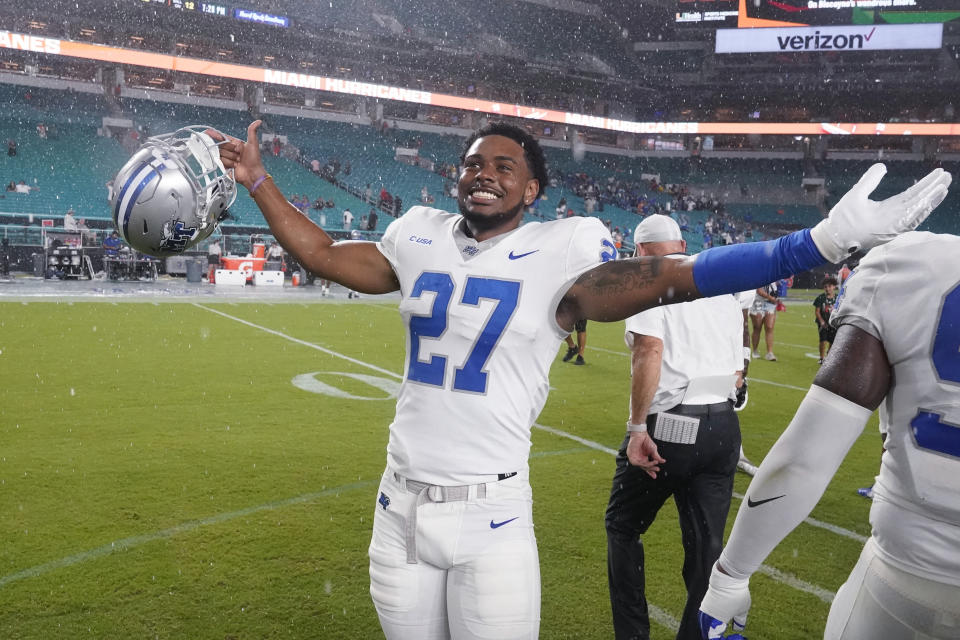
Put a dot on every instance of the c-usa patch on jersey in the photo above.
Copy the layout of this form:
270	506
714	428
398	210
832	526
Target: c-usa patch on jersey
384	500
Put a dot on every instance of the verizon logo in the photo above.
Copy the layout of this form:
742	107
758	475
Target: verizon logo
849	38
817	41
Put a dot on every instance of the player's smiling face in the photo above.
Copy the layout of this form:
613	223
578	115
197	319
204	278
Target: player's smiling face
495	185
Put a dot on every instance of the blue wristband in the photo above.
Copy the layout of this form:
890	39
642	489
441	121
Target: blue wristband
739	267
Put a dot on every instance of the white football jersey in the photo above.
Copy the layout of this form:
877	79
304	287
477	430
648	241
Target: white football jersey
907	294
481	332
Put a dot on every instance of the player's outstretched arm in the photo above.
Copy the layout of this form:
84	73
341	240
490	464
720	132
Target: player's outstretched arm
357	265
796	472
616	290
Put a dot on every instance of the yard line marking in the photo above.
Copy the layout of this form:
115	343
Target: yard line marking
777	384
589	443
663	618
300	342
583	441
192	525
800	585
749	378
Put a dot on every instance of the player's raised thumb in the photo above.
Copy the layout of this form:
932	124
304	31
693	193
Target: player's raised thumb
252	131
870	180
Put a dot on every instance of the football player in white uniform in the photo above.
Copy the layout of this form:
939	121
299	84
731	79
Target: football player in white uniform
906	584
486	303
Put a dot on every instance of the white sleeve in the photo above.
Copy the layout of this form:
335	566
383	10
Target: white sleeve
388	243
792	478
590	245
646	323
857	301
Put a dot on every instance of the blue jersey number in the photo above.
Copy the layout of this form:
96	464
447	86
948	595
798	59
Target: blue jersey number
471	376
931	430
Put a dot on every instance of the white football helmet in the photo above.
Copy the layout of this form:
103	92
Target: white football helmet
172	192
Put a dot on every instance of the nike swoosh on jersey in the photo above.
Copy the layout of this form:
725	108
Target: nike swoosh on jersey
514	256
751	503
497	525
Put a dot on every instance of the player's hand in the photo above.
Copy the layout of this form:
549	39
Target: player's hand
242	157
857	222
727	598
642	452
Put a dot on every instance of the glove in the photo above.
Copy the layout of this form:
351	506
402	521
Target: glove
726	598
857	222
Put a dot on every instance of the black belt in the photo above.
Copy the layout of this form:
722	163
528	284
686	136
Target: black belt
695	410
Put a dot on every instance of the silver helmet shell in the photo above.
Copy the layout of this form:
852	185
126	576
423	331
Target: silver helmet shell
172	192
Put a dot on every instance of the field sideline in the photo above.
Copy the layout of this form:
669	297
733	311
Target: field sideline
181	470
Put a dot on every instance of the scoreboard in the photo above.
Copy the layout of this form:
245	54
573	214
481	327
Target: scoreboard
209	8
754	13
847	12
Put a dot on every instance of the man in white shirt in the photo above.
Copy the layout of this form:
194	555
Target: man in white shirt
486	303
347	219
69	221
683	439
898	343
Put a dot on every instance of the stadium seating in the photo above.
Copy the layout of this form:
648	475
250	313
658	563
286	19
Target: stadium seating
73	118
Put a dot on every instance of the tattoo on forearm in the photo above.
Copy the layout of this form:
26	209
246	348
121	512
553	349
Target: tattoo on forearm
622	276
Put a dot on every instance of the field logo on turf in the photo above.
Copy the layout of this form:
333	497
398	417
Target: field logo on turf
309	382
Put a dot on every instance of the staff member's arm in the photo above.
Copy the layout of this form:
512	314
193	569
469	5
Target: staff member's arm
647	358
355	264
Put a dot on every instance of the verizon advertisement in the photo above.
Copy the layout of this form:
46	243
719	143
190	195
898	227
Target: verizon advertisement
849	38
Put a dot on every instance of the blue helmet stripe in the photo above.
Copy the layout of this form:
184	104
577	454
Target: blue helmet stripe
124	221
123	190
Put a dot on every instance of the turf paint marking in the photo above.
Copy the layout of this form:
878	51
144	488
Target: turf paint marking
186	527
658	615
309	382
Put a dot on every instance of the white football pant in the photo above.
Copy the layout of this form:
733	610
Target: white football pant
477	574
881	601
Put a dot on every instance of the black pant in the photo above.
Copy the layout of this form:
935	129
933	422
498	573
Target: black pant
700	478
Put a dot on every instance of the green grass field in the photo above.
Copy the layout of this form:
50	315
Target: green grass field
162	477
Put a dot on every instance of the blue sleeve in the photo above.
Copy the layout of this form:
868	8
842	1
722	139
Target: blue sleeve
739	267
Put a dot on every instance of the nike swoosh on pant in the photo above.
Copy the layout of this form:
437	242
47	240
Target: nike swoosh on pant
497	525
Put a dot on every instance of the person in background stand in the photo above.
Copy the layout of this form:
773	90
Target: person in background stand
577	349
214	251
274	257
764	317
111	245
685	361
69	221
822	308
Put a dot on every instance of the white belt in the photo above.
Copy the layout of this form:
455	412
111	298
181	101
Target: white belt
434	493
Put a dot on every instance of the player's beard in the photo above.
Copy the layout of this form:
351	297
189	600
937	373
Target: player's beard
481	222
